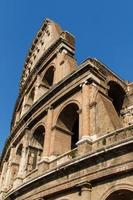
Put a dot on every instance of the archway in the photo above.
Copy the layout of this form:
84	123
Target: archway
117	94
36	147
68	120
48	77
122	194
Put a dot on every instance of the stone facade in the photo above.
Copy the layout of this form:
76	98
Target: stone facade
72	127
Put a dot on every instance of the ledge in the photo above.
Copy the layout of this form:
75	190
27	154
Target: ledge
89	159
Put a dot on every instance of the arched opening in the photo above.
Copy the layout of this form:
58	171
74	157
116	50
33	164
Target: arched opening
36	147
49	77
68	121
117	94
38	137
75	133
121	195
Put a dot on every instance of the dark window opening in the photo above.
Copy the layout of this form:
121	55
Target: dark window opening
75	133
117	94
38	136
69	120
121	195
36	147
49	77
19	150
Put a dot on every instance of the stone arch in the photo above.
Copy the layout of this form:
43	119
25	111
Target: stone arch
117	94
44	81
64	105
118	81
119	192
37	139
36	146
68	121
40	123
48	77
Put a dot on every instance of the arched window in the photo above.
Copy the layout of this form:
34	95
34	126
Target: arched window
36	147
121	195
49	77
68	120
117	94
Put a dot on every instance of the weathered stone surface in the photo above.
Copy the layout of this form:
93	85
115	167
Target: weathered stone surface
72	131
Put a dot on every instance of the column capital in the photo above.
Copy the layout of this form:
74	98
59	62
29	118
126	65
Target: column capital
49	108
84	83
84	185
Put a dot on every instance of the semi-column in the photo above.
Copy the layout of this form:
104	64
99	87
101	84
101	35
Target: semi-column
2	178
8	176
84	144
43	164
85	191
48	133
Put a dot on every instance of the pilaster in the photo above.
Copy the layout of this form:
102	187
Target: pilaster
65	63
85	109
48	133
85	143
85	190
8	176
2	178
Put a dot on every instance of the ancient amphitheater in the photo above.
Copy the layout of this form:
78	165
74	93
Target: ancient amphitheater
72	127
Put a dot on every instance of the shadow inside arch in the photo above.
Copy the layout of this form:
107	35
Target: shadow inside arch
119	192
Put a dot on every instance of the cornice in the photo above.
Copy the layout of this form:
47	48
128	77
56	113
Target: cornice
80	162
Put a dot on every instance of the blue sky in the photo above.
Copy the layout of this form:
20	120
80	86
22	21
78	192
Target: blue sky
103	29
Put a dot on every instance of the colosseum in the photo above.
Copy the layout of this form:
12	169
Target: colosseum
72	127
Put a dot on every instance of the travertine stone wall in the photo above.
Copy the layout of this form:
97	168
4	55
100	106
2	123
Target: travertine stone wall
72	128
